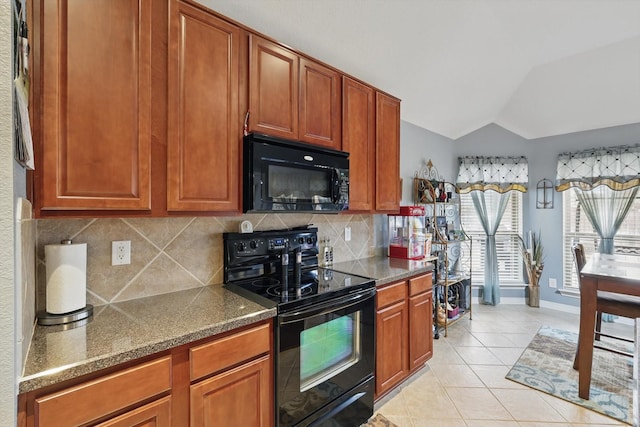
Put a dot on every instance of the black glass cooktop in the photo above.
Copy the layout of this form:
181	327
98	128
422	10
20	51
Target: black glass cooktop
315	286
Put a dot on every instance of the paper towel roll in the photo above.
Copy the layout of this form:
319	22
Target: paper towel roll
66	266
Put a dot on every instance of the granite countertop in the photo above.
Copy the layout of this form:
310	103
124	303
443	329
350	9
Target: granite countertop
384	269
124	331
128	330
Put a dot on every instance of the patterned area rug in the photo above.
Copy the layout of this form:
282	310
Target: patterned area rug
379	421
547	365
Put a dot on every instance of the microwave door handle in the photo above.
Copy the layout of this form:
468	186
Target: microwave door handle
335	187
258	186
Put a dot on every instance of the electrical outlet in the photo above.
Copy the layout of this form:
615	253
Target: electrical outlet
121	252
552	282
347	234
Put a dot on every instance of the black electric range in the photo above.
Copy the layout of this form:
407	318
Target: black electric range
324	332
262	267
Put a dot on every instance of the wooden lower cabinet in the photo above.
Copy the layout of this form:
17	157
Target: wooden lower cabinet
242	394
155	414
224	379
221	387
420	329
404	335
391	347
105	396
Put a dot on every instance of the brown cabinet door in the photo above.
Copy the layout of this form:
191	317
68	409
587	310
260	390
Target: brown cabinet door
320	118
241	396
86	402
420	329
204	134
391	347
358	139
387	153
154	414
273	89
96	105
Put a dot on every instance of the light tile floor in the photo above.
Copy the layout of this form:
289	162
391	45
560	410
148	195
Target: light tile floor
463	385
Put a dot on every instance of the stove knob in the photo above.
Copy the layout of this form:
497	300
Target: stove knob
310	240
253	244
301	240
242	246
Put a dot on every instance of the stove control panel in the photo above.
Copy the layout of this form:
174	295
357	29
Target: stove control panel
278	243
269	243
250	247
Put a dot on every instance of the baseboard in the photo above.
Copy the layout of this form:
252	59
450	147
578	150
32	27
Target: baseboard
560	307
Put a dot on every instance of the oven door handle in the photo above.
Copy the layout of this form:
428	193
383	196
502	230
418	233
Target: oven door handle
327	307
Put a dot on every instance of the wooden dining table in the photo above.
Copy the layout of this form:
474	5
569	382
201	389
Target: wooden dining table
611	273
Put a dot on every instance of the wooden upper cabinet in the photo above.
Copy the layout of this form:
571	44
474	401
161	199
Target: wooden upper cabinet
358	139
320	118
204	129
387	153
273	89
293	97
95	136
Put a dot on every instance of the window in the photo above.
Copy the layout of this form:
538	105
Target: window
509	260
578	229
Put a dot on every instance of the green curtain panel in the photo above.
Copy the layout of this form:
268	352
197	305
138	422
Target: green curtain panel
501	175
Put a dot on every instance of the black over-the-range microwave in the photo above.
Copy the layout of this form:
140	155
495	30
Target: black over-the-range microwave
288	176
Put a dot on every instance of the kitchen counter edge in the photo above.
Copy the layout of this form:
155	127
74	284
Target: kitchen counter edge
386	270
125	331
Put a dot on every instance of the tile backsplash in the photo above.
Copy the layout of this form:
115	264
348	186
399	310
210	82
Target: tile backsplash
171	254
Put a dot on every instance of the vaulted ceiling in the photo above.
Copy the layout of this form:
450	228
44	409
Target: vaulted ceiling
535	67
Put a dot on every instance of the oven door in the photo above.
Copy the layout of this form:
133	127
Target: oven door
325	361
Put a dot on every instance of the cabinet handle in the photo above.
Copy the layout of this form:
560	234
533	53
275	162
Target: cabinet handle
246	124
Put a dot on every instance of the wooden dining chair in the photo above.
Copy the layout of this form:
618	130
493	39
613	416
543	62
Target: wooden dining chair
580	260
615	304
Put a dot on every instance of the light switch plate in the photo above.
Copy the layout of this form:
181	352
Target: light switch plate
347	234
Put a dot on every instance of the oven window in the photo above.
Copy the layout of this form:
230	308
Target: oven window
328	349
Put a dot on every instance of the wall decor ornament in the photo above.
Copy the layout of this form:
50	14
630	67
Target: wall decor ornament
544	194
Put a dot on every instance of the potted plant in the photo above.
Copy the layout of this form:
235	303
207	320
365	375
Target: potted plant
533	258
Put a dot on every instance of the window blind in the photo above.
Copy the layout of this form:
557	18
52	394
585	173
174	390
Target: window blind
509	260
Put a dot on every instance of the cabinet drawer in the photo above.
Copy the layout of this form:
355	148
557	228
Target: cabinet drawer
156	414
420	284
391	294
222	353
94	399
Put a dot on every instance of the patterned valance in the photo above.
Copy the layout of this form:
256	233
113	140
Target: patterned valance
616	167
500	174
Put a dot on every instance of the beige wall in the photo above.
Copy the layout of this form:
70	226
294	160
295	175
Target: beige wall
170	254
8	350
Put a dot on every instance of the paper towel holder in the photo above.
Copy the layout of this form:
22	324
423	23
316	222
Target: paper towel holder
72	319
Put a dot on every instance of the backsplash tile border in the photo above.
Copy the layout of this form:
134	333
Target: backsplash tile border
170	254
